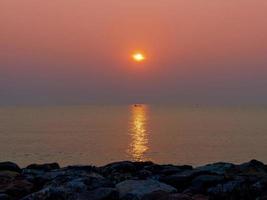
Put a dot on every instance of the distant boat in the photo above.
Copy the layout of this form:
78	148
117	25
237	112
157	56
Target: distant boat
137	105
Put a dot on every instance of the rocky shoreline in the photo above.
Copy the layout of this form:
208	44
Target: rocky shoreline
134	181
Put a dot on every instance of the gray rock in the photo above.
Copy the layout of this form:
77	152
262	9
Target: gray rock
139	188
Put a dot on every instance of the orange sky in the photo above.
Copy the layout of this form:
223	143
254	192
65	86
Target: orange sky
75	51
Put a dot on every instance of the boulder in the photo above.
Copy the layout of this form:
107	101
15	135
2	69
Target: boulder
167	169
252	168
44	167
48	193
183	179
201	183
15	187
179	181
161	195
119	167
241	188
103	193
9	166
219	168
137	189
70	186
4	197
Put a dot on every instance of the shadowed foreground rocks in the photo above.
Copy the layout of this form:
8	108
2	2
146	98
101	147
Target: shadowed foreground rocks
134	181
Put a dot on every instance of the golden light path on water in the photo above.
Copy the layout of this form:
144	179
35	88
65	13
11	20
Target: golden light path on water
139	134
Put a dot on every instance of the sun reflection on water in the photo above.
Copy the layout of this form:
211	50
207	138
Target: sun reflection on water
139	134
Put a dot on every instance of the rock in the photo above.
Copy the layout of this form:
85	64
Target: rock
44	167
179	181
183	179
91	181
139	188
254	167
15	187
219	168
119	167
140	164
179	197
167	169
9	174
71	186
47	194
4	197
144	174
161	195
200	197
170	170
100	194
201	183
241	188
9	166
158	195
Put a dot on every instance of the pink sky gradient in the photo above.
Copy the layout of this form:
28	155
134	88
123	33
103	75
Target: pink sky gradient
77	51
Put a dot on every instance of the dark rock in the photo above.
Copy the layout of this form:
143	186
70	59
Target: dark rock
219	168
139	188
15	187
100	194
134	181
253	167
90	181
183	179
119	167
4	197
141	165
180	182
201	183
144	174
167	169
9	166
45	167
69	185
77	168
161	195
240	188
47	194
156	195
200	197
179	196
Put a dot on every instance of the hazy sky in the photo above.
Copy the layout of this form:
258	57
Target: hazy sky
78	51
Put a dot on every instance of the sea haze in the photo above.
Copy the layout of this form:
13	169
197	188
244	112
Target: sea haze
101	134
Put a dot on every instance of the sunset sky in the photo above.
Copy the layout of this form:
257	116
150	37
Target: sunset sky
80	51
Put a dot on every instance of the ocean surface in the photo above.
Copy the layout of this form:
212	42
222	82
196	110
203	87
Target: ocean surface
101	134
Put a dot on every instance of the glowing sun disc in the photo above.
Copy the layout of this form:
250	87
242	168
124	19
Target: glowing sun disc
138	57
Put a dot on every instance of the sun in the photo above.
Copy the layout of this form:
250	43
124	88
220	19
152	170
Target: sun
138	57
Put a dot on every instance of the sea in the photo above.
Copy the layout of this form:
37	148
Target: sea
100	134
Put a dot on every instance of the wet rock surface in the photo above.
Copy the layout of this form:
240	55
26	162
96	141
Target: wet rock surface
128	180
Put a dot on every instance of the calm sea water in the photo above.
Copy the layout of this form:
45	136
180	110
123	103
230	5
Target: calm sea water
102	134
